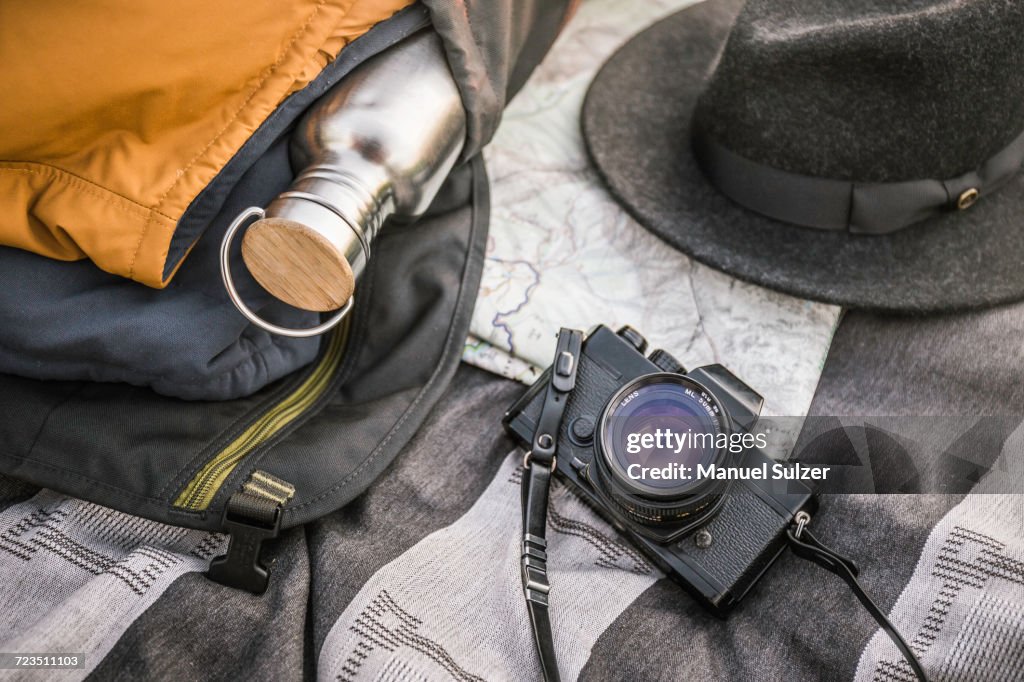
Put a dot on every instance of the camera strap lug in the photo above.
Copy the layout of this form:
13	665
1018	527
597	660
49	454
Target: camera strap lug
539	464
802	518
808	547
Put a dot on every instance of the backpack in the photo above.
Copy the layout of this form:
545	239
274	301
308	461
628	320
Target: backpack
308	424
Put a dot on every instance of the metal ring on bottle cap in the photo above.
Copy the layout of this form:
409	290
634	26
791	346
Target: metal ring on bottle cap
229	284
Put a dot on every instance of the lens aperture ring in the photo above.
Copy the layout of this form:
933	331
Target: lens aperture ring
647	511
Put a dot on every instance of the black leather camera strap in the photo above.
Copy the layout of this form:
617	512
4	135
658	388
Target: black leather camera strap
806	546
540	466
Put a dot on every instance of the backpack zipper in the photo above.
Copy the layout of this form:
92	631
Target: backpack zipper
204	486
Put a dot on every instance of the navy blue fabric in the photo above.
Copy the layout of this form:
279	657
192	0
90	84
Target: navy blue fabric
73	321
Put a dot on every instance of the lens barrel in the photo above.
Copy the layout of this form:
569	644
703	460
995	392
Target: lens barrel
653	436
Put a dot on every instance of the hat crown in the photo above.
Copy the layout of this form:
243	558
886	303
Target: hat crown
869	90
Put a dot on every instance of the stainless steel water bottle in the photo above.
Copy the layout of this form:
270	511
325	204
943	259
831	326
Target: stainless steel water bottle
377	146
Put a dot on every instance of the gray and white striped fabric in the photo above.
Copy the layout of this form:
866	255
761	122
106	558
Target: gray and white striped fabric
434	608
74	576
962	611
418	580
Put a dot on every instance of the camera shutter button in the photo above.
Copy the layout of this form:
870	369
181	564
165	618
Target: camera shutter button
582	430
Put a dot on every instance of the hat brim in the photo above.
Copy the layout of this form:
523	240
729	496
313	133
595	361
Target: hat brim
636	123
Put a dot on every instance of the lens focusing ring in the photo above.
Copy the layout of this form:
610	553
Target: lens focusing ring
688	506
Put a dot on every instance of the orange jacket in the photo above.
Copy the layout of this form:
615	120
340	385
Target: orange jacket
116	114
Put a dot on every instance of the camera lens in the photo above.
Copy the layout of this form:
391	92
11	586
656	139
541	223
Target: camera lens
654	435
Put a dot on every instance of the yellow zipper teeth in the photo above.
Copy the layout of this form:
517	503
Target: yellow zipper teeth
203	487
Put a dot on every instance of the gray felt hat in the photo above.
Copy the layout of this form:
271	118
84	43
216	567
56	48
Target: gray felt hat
864	153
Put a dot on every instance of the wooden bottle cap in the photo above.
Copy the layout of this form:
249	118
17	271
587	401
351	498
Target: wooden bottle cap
297	265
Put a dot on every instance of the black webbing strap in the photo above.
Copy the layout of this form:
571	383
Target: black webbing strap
540	465
806	546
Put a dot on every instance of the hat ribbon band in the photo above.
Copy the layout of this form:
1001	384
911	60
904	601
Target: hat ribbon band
860	208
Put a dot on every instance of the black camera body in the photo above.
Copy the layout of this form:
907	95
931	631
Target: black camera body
717	554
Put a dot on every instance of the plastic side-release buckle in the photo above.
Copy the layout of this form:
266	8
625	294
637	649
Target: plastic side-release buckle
250	520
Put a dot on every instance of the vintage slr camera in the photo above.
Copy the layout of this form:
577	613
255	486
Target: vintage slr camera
716	537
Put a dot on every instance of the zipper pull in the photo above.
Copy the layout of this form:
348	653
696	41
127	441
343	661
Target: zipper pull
251	517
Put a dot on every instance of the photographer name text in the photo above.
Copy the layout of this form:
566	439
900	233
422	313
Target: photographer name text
779	471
